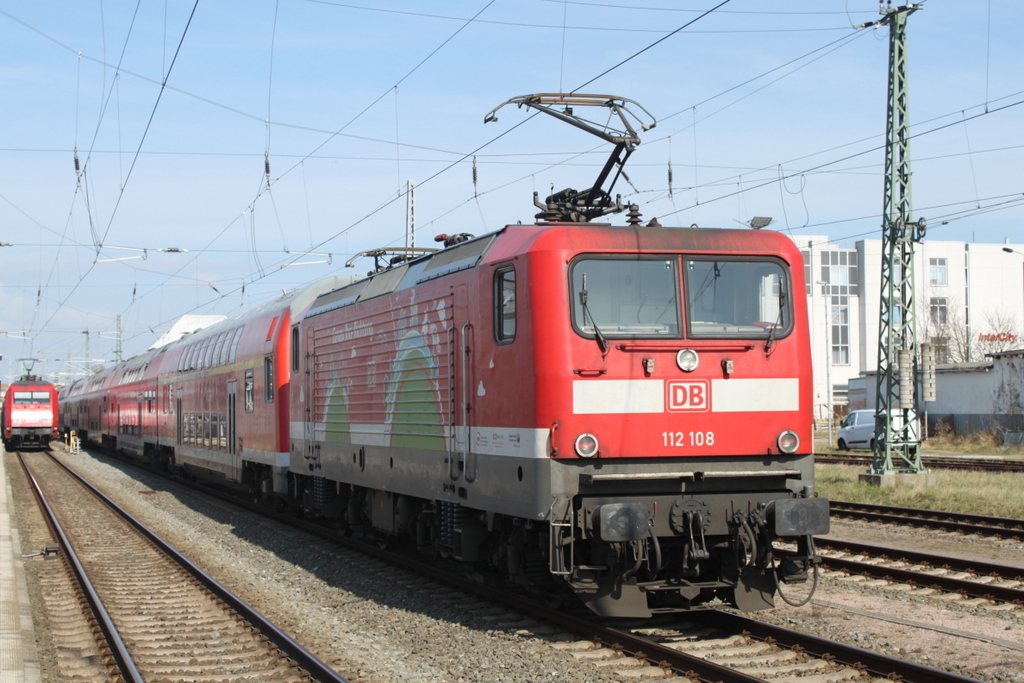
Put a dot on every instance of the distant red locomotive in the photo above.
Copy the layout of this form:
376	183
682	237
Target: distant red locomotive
30	414
619	414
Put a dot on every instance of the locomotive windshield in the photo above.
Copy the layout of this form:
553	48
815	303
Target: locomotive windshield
728	298
30	397
619	297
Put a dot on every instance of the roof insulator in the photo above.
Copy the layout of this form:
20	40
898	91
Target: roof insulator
633	215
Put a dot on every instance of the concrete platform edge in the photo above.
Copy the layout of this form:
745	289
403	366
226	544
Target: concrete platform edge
19	661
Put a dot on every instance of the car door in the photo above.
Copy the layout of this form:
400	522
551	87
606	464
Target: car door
864	428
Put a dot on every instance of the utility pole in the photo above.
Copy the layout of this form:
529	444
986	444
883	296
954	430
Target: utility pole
896	448
410	214
88	361
117	343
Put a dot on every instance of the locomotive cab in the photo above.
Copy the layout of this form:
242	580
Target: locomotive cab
683	443
30	417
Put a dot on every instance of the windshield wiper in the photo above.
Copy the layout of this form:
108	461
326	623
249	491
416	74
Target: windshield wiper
602	343
778	321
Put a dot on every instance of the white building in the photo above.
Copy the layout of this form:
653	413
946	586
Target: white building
969	301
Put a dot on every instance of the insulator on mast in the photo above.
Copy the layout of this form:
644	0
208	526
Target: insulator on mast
78	165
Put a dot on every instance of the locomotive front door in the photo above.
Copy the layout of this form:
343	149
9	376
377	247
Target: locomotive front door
461	463
306	396
178	417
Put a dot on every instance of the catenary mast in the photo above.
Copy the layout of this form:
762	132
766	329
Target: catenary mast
896	448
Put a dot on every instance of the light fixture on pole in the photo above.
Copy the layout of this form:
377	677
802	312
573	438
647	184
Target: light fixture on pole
1008	250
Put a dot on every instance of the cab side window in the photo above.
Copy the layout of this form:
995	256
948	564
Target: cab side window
505	305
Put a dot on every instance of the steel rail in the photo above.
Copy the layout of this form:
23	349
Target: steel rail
299	654
875	663
933	519
917	578
118	649
933	462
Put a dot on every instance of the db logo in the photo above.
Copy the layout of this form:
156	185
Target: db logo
694	395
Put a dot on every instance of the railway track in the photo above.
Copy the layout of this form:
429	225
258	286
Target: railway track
956	522
716	646
157	616
983	582
977	464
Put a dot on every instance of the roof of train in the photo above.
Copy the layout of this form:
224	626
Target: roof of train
29	383
518	238
295	300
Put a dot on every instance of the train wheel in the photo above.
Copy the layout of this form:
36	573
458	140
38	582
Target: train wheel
261	482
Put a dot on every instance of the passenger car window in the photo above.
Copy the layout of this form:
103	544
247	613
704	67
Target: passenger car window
250	390
268	379
505	305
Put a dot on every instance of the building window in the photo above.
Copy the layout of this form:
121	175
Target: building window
940	347
839	270
937	309
937	274
840	330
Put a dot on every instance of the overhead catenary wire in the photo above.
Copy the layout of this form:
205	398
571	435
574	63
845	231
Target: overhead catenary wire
486	177
135	158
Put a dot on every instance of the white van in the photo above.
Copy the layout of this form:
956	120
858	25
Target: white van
858	430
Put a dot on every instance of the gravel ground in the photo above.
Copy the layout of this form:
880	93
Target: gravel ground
962	636
374	622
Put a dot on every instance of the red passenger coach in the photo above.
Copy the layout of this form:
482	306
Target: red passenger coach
213	404
30	414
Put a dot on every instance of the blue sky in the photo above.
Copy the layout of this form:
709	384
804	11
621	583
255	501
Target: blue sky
762	108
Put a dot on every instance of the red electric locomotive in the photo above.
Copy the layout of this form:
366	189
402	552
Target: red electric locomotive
618	414
29	414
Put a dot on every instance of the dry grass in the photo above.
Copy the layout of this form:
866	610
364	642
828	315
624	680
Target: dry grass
980	493
945	442
990	441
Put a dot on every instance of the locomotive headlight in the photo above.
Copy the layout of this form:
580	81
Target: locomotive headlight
586	445
687	360
788	442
